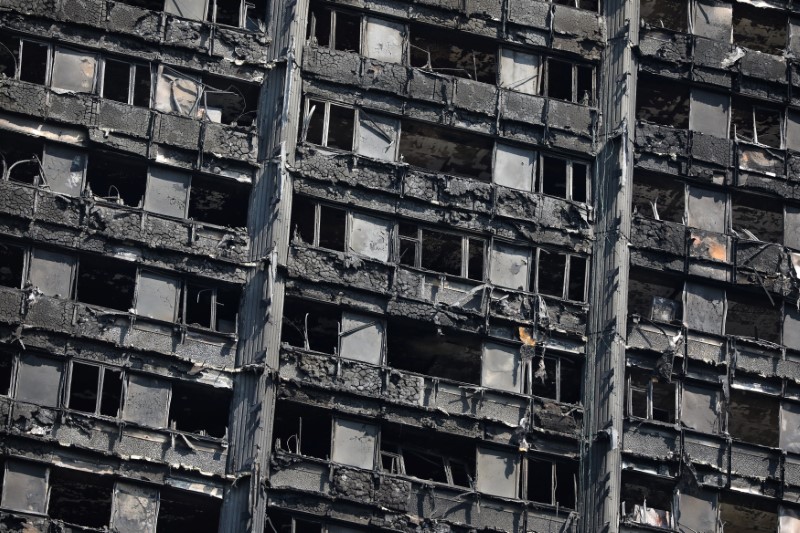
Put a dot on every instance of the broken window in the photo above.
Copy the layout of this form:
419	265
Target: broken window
167	192
79	499
106	283
323	225
501	367
63	168
497	472
704	308
25	486
51	273
180	510
302	430
200	409
453	53
228	101
658	197
756	123
377	136
712	20
429	351
743	513
410	452
761	28
590	5
556	378
756	218
74	71
438	251
563	178
520	71
9	56
38	380
211	307
569	81
446	150
700	408
219	201
753	417
33	62
128	83
247	14
12	265
709	112
668	14
328	124
646	500
335	29
95	389
354	443
552	482
654	296
177	92
116	178
21	156
753	316
662	102
515	167
650	398
383	40
361	338
310	325
6	372
135	508
146	401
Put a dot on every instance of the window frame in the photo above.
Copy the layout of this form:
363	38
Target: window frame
648	390
102	370
132	66
465	250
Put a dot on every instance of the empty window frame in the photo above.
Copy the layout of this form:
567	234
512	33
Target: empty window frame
453	52
337	229
12	265
661	101
180	510
446	150
744	513
211	307
21	158
105	282
753	315
335	29
564	178
756	123
302	430
589	5
653	296
33	61
439	251
560	275
199	409
405	453
649	398
759	28
328	124
570	81
95	389
556	378
757	218
552	482
79	499
127	83
429	351
247	14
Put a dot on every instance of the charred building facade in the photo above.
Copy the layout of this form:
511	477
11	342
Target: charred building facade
399	265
